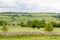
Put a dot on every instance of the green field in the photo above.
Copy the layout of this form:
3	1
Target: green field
26	17
27	29
30	37
17	29
17	18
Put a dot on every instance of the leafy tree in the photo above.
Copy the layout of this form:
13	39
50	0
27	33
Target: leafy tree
58	16
13	17
22	24
4	28
36	24
29	23
55	24
42	23
1	23
49	27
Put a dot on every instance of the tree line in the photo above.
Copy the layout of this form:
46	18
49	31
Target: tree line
48	26
37	23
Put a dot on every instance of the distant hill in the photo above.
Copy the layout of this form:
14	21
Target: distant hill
27	12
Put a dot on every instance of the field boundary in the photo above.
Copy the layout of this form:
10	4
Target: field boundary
15	33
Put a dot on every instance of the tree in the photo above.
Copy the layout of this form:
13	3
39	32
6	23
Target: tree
48	27
42	23
22	24
29	23
36	24
4	28
58	16
55	24
13	17
1	23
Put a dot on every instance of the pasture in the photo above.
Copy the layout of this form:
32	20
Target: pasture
27	29
17	18
18	29
30	37
26	17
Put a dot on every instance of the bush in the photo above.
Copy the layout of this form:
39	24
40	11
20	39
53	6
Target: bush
48	27
22	24
36	24
4	28
33	24
55	24
29	23
1	23
42	23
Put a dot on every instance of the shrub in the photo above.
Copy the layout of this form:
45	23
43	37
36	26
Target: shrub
22	24
55	24
33	24
29	23
42	23
36	24
4	28
1	23
48	27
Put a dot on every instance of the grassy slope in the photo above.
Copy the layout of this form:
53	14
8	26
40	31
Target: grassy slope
30	37
26	18
18	29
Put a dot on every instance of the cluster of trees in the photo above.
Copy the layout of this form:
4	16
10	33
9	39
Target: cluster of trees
38	24
33	24
48	26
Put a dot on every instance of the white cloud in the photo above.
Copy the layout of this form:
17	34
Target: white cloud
7	9
30	5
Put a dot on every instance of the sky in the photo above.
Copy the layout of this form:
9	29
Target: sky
30	6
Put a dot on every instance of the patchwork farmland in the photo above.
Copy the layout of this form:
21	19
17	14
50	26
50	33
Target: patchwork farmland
29	25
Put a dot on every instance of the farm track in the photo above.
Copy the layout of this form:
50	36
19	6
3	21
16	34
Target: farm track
15	33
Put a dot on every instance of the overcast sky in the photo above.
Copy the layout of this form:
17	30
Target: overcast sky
30	6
